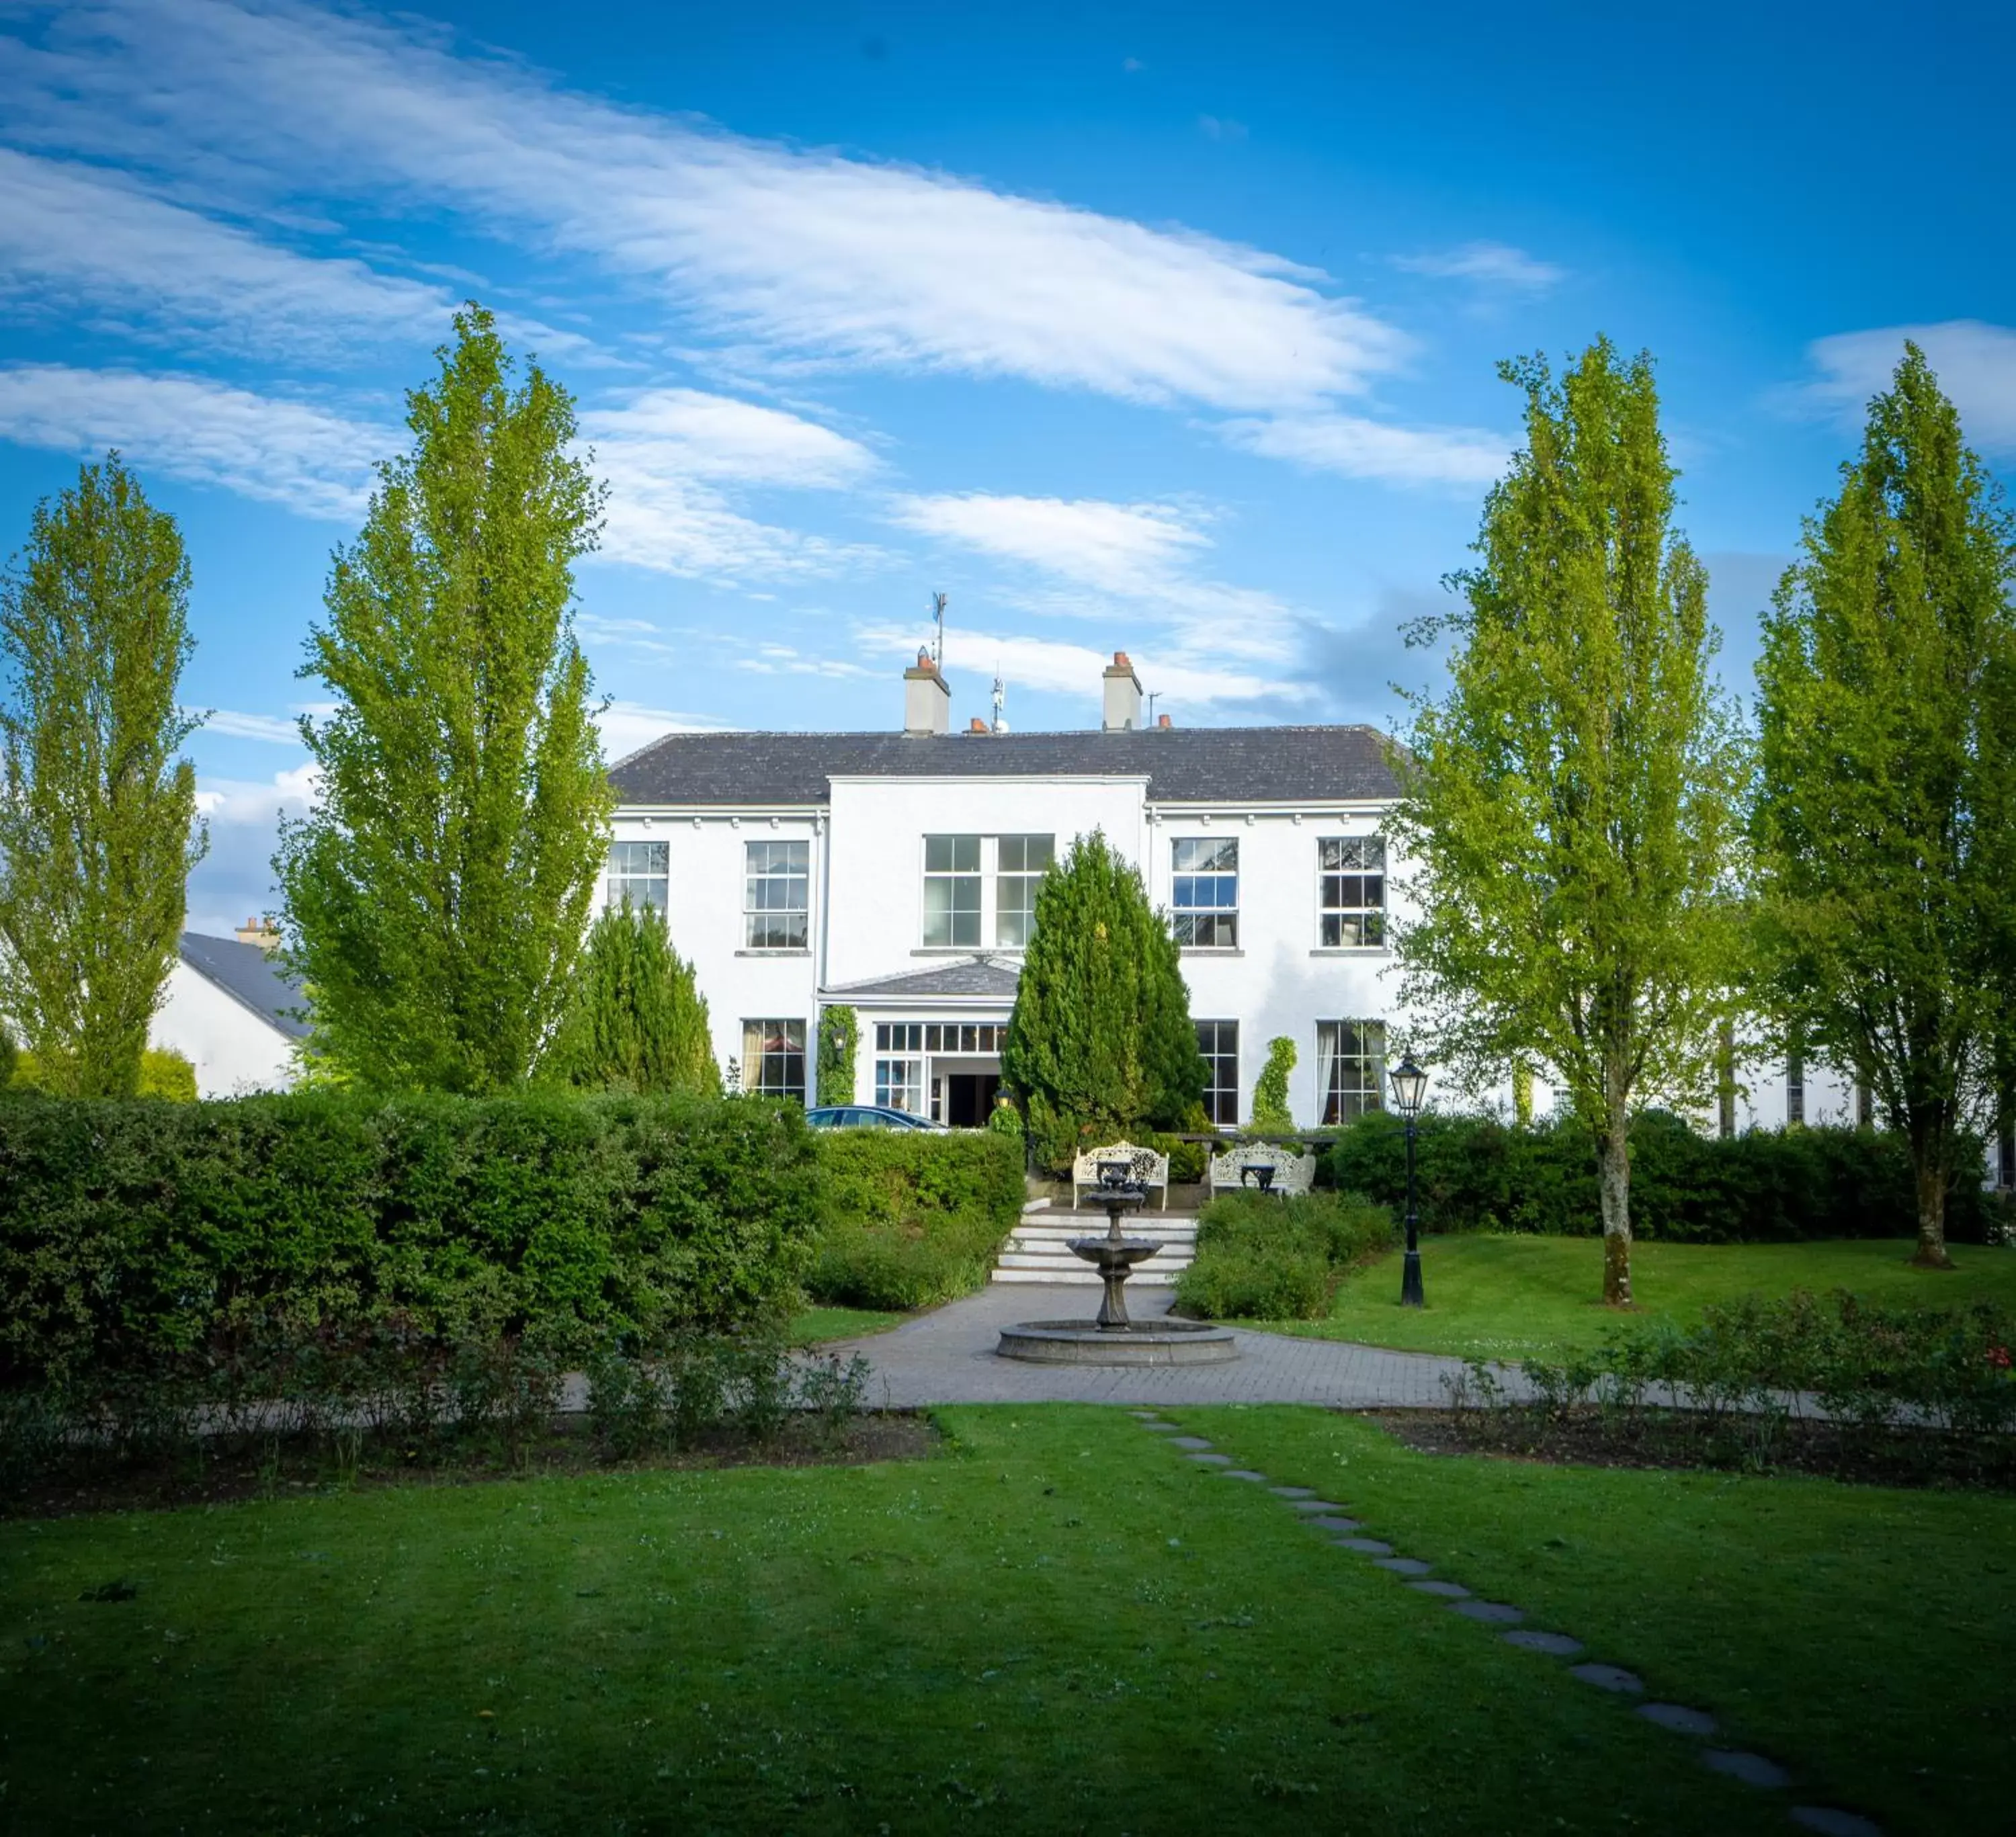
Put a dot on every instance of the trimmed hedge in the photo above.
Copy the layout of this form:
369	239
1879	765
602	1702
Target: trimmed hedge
1765	1186
147	1239
913	1216
1264	1259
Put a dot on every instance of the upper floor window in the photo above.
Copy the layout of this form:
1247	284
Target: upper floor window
640	872
1205	897
773	1059
1353	870
776	895
1021	862
1351	1066
952	891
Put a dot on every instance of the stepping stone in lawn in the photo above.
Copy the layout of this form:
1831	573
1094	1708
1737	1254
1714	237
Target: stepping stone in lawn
1143	1415
1190	1441
1753	1769
1830	1823
1555	1645
1293	1492
1495	1613
1327	1521
1449	1590
1364	1546
1610	1677
1679	1718
1212	1460
1316	1505
1162	1428
1404	1565
1241	1473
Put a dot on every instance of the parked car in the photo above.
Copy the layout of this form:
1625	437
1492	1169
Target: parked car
867	1116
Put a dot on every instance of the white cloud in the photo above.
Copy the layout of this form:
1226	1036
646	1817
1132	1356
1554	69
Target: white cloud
255	802
251	726
1976	363
629	727
808	254
1359	448
87	240
717	437
1123	549
1074	669
1496	265
284	452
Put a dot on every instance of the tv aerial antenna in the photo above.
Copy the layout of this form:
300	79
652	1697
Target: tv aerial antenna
1000	699
938	619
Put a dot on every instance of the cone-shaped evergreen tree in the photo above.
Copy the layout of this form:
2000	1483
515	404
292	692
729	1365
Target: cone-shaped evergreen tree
638	1021
1101	1039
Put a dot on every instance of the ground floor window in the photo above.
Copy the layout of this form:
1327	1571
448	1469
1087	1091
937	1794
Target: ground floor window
1219	1041
899	1084
1351	1068
773	1059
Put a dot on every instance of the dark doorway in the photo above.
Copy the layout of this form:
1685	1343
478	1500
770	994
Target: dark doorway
969	1098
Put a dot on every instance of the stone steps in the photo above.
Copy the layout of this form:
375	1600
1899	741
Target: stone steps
1040	1250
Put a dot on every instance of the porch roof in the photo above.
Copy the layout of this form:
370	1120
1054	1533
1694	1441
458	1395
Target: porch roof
975	978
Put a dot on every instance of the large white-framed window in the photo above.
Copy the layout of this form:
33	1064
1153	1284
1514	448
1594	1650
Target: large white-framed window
639	872
899	1065
1204	892
773	1059
1020	863
952	892
1351	1068
776	895
1219	1041
1351	872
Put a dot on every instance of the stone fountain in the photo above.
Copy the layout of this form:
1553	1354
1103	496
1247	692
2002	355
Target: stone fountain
1110	1338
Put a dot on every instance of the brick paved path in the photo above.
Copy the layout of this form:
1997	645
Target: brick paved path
948	1356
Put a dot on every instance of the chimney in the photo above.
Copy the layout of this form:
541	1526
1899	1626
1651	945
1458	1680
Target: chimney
1123	695
977	726
262	931
926	700
1162	720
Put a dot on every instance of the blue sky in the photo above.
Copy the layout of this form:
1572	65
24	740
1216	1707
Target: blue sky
1161	328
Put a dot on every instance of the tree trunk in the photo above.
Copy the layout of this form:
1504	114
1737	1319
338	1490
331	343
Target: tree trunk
1613	1168
1931	1179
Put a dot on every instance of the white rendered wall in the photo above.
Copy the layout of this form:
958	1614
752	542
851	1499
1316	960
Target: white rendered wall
234	1051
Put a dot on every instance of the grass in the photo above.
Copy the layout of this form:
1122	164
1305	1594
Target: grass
812	1326
1518	1297
1819	1622
1056	1625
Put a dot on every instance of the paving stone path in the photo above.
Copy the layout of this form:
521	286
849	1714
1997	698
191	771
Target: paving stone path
1326	1515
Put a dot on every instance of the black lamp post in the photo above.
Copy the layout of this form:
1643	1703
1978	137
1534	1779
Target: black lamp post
1410	1086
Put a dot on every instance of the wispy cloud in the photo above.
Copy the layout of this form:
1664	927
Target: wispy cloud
273	728
1976	363
1074	669
256	802
1491	265
292	453
628	727
1358	447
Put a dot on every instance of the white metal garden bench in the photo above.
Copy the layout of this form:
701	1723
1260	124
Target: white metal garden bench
1149	1168
1292	1172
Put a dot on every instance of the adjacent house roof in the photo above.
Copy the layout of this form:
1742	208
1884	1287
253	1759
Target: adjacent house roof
971	976
1183	765
246	974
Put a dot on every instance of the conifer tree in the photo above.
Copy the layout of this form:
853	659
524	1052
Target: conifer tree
1101	1039
637	1021
97	828
1885	819
438	893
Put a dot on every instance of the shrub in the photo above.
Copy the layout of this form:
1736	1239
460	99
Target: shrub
636	1019
913	1216
163	1074
1271	1114
1475	1173
1262	1258
839	1043
1004	1119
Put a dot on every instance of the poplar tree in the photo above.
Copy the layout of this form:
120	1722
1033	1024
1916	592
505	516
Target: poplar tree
1885	819
1101	1036
1569	806
437	893
637	1020
97	828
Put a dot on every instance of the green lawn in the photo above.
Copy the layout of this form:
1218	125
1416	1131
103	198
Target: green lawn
1516	1297
1056	1625
1859	1635
813	1325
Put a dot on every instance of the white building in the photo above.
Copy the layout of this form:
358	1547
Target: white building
228	1012
894	872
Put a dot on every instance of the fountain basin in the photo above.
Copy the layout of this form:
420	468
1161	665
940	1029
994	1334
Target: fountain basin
1162	1342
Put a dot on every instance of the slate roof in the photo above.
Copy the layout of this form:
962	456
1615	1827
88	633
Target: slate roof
970	977
1182	764
246	974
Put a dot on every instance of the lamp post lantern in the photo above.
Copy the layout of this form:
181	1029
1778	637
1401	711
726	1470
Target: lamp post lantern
1410	1086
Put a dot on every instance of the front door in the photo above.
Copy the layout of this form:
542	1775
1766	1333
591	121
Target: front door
970	1098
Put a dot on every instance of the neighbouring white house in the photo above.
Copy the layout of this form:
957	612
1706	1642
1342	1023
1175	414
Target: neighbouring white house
231	1013
894	873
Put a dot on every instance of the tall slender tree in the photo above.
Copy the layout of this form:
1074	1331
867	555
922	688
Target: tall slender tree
1885	819
1101	1035
638	1021
98	821
437	893
1569	806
